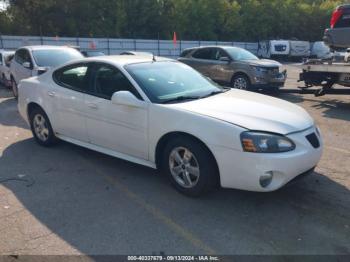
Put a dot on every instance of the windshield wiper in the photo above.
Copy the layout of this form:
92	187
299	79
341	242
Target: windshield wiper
216	92
181	98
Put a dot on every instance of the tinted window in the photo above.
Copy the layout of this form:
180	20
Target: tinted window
239	54
0	59
73	77
108	80
344	21
218	53
22	56
162	81
186	52
55	57
203	53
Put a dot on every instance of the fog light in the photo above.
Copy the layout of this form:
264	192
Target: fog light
265	180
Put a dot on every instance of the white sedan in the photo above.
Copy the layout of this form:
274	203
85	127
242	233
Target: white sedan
163	114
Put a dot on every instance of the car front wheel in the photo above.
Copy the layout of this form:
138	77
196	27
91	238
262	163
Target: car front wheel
190	166
41	128
241	82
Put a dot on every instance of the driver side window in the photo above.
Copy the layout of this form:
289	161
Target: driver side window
23	56
107	80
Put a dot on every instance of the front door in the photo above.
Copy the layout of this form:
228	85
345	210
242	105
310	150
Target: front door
119	128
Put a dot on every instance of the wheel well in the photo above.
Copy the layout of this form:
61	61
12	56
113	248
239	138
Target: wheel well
167	137
240	74
31	106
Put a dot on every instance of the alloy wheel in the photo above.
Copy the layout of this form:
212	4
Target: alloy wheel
240	83
41	128
184	167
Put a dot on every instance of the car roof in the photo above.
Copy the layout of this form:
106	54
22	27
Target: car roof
45	47
122	60
215	46
6	51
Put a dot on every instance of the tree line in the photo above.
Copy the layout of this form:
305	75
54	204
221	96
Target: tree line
215	20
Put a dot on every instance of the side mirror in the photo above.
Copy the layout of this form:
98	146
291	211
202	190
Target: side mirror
126	98
26	65
225	59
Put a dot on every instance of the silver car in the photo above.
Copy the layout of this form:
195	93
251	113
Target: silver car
35	60
235	67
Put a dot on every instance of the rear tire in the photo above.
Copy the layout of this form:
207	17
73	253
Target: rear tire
190	166
41	128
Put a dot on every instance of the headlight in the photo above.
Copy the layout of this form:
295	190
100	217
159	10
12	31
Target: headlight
260	69
257	142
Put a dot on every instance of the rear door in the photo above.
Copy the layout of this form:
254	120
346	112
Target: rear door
202	59
68	100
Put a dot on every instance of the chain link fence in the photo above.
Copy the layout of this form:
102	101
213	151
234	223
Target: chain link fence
111	46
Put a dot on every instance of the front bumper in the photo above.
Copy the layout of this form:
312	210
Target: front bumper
266	81
243	170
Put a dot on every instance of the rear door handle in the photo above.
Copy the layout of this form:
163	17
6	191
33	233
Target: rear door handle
92	105
51	93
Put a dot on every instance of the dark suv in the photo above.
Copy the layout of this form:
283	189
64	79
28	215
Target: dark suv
338	36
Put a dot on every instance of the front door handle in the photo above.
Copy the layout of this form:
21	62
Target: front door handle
51	93
92	105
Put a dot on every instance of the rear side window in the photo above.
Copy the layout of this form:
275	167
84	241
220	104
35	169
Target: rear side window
73	77
203	53
185	52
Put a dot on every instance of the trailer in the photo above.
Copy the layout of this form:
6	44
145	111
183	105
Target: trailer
324	73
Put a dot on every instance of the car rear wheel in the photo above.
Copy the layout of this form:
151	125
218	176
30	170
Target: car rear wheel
190	166
41	128
241	82
14	88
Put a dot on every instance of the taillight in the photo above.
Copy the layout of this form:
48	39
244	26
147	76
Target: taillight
335	17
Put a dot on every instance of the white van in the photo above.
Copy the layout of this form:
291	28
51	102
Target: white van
273	49
299	49
319	50
284	49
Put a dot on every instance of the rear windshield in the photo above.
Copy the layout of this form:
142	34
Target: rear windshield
344	20
55	57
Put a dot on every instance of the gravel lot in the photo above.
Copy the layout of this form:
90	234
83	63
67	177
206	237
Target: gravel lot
70	200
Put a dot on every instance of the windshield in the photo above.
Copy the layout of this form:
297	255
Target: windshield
93	54
55	57
167	81
239	54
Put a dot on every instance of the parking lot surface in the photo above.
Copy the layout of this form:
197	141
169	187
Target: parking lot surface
70	200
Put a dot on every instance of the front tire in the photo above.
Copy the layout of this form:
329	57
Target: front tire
41	128
241	82
190	166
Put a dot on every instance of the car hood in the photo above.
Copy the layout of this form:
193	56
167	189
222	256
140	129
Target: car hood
263	62
251	111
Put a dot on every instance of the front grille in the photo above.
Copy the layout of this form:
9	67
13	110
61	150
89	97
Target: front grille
274	71
313	139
